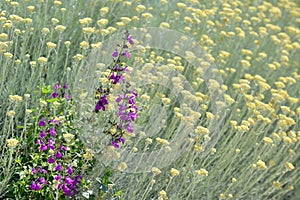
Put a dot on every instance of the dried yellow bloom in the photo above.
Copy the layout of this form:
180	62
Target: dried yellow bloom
261	165
289	166
12	143
202	172
174	172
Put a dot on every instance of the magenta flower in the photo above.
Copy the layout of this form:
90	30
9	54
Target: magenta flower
51	159
57	86
130	128
52	131
43	134
130	40
43	147
42	122
68	96
115	54
70	170
58	167
126	53
54	94
58	155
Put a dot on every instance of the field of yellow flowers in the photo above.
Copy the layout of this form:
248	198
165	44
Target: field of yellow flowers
139	100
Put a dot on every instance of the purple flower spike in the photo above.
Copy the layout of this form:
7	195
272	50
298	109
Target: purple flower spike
42	122
115	54
52	131
130	40
51	159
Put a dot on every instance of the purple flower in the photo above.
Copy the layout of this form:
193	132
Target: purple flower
66	86
115	53
35	186
69	181
42	122
34	170
58	167
70	170
62	147
130	128
54	121
43	147
121	139
58	155
57	177
126	53
130	40
51	159
116	78
101	104
43	170
42	180
57	86
52	131
115	143
68	96
54	94
67	190
43	134
51	144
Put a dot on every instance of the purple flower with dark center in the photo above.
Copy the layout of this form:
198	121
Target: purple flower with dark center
130	128
51	159
58	167
115	53
42	180
52	131
58	155
54	94
42	122
70	170
126	53
43	133
130	40
115	143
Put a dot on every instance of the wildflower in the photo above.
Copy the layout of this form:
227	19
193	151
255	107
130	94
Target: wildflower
68	137
202	172
289	166
51	159
60	28
42	122
174	172
155	171
12	143
261	165
11	113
